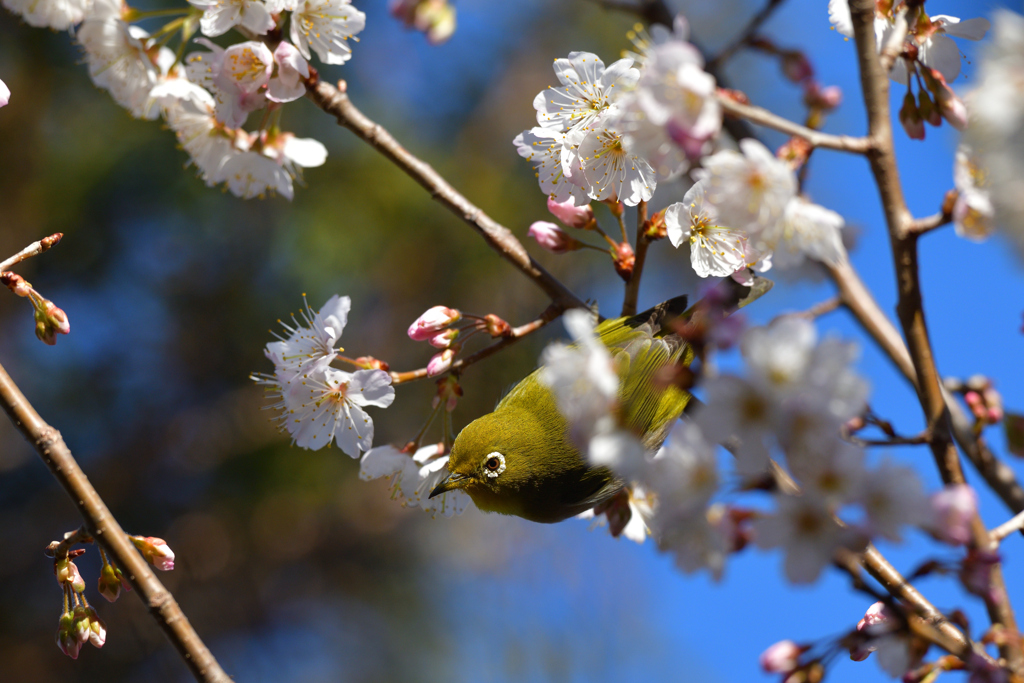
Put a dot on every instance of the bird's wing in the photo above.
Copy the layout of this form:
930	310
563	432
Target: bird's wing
650	409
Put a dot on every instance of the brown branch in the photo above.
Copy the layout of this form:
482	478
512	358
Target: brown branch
629	301
102	526
1016	523
875	89
947	635
336	103
859	301
763	117
517	333
31	250
920	226
817	310
753	26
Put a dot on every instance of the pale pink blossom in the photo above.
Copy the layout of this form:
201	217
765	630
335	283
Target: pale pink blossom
432	321
781	658
953	509
219	16
552	237
5	94
292	67
59	15
155	551
325	26
572	215
587	90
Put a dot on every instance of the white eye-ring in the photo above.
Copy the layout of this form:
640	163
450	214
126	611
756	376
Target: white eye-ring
494	464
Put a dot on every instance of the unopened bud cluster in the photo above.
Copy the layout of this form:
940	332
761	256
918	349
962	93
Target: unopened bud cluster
50	320
434	327
79	622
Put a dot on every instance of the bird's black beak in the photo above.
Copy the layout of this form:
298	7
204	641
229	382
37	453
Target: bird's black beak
452	481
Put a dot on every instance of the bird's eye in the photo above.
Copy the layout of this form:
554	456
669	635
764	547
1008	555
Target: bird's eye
494	464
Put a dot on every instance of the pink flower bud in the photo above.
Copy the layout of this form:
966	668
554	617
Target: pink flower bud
953	508
910	118
67	574
448	390
825	99
66	638
97	629
572	215
16	284
624	259
553	238
433	321
156	551
109	585
796	67
781	658
976	573
949	105
496	327
5	94
444	338
50	321
879	619
81	624
441	362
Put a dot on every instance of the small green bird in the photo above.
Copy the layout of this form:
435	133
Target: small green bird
519	459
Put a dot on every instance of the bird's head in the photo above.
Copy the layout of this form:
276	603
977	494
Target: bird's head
487	463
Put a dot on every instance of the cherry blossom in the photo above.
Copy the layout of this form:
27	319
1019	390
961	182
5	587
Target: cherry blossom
750	190
323	405
220	16
59	15
715	250
582	378
325	26
588	90
973	213
314	339
237	76
672	115
292	67
413	477
209	143
252	174
805	231
612	171
5	94
554	161
803	527
936	50
118	58
996	131
293	153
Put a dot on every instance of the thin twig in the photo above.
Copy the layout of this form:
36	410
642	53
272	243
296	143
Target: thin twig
517	333
763	117
859	301
31	250
632	295
336	103
920	226
1016	523
875	89
917	440
816	311
947	635
102	526
753	26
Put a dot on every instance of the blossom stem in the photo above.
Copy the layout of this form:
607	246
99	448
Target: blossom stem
337	103
1016	523
517	333
602	233
763	117
31	250
136	15
629	301
875	89
423	431
103	527
622	227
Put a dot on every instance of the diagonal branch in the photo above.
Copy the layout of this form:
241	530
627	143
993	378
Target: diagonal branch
102	526
746	35
337	103
875	88
763	117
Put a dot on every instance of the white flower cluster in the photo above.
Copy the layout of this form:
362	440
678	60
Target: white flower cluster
207	101
319	404
796	396
744	212
935	48
995	134
612	133
413	477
